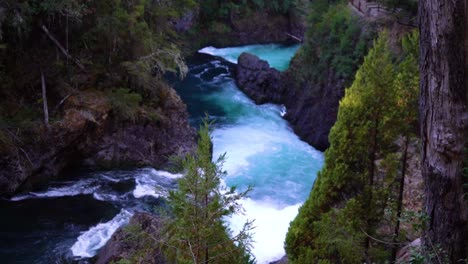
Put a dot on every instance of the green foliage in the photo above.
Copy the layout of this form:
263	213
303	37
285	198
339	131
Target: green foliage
125	31
124	103
425	254
212	10
198	232
141	241
418	220
128	44
349	199
140	245
335	42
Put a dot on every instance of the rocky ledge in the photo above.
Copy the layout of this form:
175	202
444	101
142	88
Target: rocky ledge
135	242
89	133
312	114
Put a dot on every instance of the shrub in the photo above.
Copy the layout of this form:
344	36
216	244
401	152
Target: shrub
124	103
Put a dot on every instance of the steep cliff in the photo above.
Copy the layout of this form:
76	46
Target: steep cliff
318	75
311	108
90	134
230	23
83	83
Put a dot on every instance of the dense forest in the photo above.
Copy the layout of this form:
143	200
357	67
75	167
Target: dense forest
357	211
352	198
84	84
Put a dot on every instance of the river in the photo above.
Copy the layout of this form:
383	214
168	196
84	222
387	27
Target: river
69	220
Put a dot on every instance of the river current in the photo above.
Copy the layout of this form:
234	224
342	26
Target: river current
71	219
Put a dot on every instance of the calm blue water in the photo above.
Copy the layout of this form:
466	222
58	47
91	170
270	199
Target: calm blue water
71	219
261	148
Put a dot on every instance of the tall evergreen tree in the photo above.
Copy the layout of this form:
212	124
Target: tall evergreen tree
350	194
406	94
198	232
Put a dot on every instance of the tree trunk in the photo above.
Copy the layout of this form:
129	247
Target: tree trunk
371	174
44	101
444	119
401	190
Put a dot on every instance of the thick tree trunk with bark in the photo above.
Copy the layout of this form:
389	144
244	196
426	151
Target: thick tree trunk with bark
444	118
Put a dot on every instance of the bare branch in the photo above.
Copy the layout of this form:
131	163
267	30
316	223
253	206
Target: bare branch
62	49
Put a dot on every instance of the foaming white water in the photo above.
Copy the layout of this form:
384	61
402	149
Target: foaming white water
278	56
105	197
271	225
151	182
262	151
96	237
284	110
74	189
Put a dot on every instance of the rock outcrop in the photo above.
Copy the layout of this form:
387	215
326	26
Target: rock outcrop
258	80
311	108
89	133
134	241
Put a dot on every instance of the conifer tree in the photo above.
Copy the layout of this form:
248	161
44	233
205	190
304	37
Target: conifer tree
348	199
406	89
198	232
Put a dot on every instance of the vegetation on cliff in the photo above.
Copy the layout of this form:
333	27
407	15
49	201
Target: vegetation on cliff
357	190
73	72
334	46
336	42
240	22
105	45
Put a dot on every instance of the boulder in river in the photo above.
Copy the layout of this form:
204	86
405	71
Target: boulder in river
258	80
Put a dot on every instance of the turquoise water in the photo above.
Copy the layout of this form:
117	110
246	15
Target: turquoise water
71	219
278	56
261	148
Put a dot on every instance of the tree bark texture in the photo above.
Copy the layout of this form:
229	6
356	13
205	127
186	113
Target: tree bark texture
444	118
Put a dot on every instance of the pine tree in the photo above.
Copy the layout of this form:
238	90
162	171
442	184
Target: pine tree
406	89
198	232
348	199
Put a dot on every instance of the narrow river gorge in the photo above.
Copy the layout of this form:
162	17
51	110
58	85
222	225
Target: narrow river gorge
69	220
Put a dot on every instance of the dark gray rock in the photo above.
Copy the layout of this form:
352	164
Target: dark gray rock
312	108
145	142
135	240
260	82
